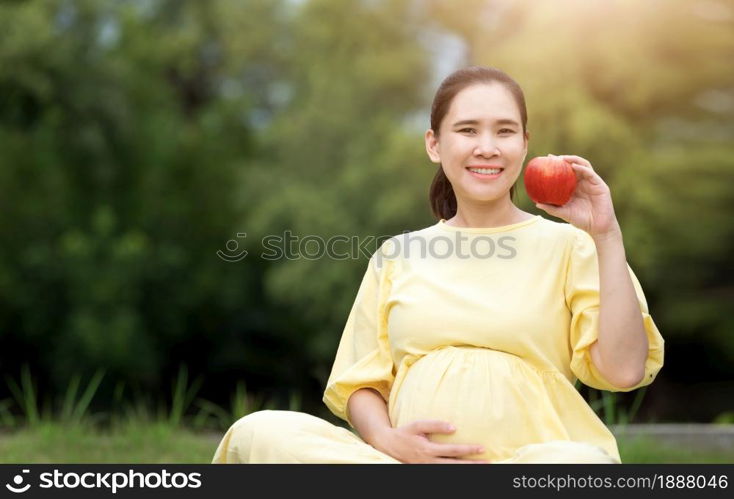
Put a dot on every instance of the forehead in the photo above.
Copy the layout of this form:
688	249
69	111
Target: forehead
484	102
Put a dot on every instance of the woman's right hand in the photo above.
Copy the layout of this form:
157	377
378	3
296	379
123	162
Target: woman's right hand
410	444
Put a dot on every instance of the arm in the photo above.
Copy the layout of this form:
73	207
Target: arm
620	352
368	413
621	349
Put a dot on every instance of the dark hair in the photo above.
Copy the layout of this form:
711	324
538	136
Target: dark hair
441	194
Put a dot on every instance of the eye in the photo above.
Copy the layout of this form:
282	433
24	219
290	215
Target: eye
507	130
466	130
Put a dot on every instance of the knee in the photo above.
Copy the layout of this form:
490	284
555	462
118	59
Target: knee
259	422
237	443
272	426
261	436
251	420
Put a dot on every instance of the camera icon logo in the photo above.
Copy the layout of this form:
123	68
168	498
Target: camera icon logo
232	246
19	488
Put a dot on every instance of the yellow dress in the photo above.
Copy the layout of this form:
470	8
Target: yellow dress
487	328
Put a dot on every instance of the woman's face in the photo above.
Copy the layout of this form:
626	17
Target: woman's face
482	129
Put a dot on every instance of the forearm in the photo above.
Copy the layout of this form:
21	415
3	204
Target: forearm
368	413
622	347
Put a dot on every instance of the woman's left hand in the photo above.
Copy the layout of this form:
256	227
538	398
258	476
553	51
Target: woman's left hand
590	207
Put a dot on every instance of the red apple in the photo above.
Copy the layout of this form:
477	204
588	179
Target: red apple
549	180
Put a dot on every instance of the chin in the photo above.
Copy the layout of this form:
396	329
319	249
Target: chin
483	196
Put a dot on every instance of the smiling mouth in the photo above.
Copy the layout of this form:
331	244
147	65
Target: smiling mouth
485	172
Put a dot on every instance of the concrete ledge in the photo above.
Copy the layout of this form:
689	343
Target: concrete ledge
692	435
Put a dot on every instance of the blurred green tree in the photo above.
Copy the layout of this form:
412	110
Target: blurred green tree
137	139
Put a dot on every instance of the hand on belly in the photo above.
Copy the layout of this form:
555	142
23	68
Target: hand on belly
410	443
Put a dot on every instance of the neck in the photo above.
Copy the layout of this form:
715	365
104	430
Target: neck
487	214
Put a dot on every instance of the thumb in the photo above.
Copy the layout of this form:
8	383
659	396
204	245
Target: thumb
431	426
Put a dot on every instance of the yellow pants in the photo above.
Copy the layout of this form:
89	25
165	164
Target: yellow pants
288	437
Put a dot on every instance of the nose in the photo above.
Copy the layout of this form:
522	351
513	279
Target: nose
486	146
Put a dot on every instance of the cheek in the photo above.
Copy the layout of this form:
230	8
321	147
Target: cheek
452	157
515	146
451	148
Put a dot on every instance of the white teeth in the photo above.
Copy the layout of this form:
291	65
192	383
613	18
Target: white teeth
486	171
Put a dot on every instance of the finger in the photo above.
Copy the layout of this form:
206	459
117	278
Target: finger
451	450
577	159
587	173
583	169
431	426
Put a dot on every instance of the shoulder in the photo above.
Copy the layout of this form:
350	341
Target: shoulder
392	246
579	246
573	243
560	231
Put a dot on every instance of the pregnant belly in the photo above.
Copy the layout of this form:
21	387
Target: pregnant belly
493	398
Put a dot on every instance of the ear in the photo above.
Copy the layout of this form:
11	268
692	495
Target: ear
432	146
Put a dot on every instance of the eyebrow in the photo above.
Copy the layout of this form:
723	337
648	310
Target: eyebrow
503	121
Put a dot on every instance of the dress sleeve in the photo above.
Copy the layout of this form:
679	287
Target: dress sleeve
363	358
582	297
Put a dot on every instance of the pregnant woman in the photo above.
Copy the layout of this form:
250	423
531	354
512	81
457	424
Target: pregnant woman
466	337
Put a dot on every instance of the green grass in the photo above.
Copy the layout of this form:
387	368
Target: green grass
148	443
160	443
